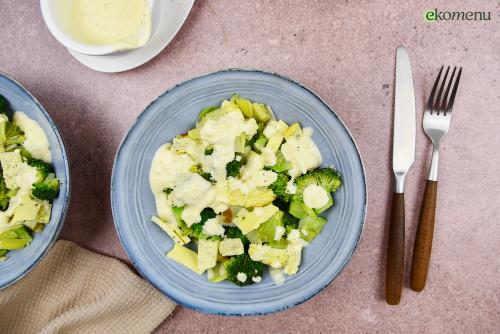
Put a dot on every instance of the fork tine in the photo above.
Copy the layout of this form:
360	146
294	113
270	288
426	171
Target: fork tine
437	102
446	92
454	91
431	97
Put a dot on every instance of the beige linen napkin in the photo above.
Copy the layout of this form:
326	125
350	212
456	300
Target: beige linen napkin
74	290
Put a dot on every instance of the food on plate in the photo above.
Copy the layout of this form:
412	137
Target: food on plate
28	184
241	192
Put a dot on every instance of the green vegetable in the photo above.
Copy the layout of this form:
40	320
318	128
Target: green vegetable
244	105
328	178
243	264
279	187
260	143
290	221
43	168
205	111
167	191
206	214
260	112
267	230
13	136
233	232
209	150
299	210
5	194
4	105
282	205
233	168
218	273
47	189
197	169
22	233
15	239
197	229
280	244
3	252
281	164
311	226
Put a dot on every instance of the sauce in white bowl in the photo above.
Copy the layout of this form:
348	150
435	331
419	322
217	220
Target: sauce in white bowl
99	27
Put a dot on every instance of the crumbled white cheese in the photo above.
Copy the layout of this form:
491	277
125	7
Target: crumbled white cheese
293	235
256	279
277	276
278	232
242	277
213	227
315	196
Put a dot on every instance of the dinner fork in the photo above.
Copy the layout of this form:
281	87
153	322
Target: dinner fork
436	122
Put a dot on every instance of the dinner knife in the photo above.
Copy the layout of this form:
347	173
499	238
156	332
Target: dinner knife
403	155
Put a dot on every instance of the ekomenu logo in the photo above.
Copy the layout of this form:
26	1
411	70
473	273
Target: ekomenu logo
433	15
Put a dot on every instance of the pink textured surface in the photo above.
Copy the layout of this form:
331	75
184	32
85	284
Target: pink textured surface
344	50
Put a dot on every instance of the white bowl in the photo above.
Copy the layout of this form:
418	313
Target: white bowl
52	16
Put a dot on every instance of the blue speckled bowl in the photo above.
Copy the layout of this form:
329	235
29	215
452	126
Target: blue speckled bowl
175	112
22	261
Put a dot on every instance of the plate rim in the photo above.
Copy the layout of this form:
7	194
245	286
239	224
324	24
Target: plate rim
208	74
67	167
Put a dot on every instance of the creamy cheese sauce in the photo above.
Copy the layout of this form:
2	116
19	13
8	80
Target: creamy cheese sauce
168	168
253	175
36	141
13	204
302	153
194	193
315	196
222	133
124	24
17	174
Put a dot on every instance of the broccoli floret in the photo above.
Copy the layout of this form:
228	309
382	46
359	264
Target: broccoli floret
5	194
47	189
233	168
243	264
328	178
197	229
280	204
279	187
13	136
197	169
209	150
4	105
207	214
290	221
43	169
233	232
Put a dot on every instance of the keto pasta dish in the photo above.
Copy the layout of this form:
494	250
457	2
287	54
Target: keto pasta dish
241	192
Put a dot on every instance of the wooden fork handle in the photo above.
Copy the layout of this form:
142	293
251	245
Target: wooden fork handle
423	239
395	251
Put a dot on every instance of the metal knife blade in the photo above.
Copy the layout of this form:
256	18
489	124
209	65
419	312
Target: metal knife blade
403	146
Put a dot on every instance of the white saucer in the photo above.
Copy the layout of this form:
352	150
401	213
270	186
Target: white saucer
168	17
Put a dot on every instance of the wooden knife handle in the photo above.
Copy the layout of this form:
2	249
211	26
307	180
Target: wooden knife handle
423	239
395	251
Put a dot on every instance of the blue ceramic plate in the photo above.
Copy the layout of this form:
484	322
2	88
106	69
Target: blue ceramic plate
175	112
22	261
